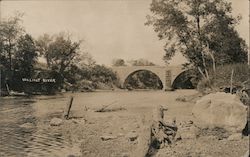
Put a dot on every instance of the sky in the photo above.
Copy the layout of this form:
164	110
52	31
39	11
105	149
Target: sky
110	28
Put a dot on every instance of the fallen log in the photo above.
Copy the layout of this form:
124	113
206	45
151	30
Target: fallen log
104	107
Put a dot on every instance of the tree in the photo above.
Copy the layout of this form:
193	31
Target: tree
10	31
85	60
25	56
202	30
118	62
100	73
42	44
59	51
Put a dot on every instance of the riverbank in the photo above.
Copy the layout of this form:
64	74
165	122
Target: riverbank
117	133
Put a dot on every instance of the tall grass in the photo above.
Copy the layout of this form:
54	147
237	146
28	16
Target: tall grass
221	78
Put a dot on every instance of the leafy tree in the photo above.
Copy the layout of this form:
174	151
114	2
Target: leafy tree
10	31
25	56
118	62
202	30
42	44
100	73
59	51
85	60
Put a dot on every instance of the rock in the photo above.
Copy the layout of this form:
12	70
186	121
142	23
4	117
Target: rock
108	137
86	152
187	132
132	136
220	110
56	122
120	134
235	137
27	125
79	121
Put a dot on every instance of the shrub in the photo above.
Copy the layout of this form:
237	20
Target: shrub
221	79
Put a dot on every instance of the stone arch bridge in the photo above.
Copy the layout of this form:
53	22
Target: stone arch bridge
167	75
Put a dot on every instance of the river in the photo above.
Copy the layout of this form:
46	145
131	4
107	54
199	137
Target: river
19	139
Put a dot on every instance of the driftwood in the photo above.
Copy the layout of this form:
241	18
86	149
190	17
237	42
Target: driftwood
68	107
162	133
104	107
157	135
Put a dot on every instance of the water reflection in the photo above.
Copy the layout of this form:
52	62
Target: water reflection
19	136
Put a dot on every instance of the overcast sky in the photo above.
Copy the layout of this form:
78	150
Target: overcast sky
110	28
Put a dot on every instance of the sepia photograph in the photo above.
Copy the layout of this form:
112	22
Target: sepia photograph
124	78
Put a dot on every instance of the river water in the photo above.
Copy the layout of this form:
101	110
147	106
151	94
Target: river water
19	136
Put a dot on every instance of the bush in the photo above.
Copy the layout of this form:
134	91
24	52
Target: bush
83	86
96	77
221	79
103	75
204	86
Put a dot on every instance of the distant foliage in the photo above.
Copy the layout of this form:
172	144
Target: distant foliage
143	80
140	62
102	74
118	62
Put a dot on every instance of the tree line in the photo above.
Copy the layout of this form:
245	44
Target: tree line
50	56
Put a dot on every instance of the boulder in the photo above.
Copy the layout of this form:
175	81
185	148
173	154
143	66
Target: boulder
220	110
56	122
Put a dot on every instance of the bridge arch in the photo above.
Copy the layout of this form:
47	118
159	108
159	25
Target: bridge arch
182	80
129	75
